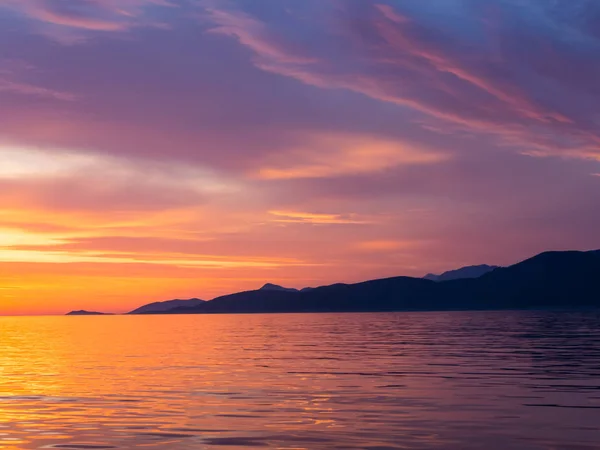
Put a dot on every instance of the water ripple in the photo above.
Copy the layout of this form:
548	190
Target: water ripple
451	380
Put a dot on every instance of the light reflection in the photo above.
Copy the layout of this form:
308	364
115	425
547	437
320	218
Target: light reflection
299	381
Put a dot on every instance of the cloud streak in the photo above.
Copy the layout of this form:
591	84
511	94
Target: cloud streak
30	89
396	53
68	21
338	155
11	74
316	218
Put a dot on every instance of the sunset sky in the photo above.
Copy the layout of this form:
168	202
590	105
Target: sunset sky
158	149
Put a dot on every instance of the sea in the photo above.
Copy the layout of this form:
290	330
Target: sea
419	380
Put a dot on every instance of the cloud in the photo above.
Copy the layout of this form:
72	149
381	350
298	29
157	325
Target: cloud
338	155
11	72
30	254
385	246
65	20
255	35
70	181
469	71
316	218
29	89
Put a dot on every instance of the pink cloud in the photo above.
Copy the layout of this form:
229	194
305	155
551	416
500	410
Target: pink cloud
37	91
65	20
87	23
255	35
12	73
395	58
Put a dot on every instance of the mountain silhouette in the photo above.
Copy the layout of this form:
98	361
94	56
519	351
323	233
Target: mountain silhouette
274	287
86	313
549	280
463	272
159	307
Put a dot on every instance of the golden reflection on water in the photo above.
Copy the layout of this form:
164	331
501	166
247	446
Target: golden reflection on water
301	381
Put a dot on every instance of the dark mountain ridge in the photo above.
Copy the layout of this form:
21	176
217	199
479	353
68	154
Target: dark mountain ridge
551	279
463	272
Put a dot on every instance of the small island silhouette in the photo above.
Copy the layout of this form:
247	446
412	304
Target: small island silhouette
87	313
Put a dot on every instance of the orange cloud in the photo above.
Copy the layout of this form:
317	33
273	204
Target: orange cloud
314	218
337	155
385	245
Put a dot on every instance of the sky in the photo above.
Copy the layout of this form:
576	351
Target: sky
159	149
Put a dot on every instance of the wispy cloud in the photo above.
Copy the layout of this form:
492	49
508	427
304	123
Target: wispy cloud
385	246
255	35
37	91
13	75
405	57
66	21
338	155
317	218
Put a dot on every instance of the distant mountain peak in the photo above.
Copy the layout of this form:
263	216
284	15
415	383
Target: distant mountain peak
276	287
463	272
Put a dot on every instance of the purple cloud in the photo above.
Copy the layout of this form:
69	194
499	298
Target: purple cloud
12	75
491	78
68	21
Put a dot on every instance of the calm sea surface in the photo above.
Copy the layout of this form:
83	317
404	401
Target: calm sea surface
456	380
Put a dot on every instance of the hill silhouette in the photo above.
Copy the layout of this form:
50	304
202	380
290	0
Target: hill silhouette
463	272
159	307
548	280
